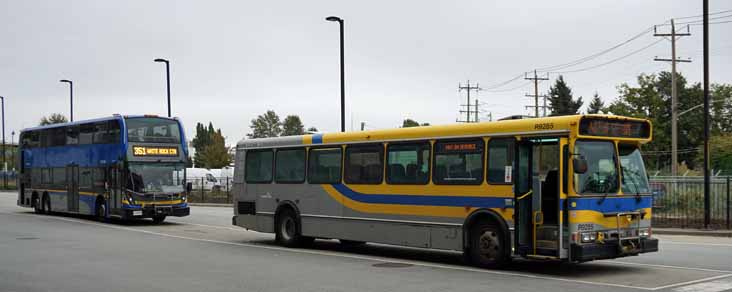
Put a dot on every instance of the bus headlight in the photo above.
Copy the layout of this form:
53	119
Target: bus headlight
588	236
646	232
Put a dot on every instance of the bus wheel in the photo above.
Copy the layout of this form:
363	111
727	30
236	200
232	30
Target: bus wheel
101	210
46	204
487	248
37	206
158	219
287	232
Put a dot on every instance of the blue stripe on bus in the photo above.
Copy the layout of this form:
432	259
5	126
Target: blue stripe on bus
318	139
611	203
421	200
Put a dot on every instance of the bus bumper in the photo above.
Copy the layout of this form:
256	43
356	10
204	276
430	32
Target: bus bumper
154	211
610	250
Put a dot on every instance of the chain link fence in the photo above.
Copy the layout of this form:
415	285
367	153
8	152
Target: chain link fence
678	202
208	190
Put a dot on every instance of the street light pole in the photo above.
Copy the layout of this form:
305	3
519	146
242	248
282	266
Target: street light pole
71	97
5	171
343	74
707	182
167	76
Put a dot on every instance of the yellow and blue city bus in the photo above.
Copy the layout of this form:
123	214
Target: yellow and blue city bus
570	188
119	166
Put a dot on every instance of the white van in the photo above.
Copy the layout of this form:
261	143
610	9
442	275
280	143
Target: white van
202	178
224	175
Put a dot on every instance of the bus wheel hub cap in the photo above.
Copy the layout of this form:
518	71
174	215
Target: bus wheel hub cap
489	244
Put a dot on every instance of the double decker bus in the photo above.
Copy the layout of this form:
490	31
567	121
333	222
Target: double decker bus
119	166
569	188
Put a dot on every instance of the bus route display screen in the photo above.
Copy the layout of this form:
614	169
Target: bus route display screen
614	128
154	151
468	146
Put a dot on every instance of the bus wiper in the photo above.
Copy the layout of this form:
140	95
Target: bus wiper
636	185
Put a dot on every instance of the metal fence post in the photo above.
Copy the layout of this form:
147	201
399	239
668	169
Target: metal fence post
728	205
228	191
203	193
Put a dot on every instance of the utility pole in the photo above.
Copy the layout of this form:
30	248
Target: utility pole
467	112
536	95
476	111
707	180
674	92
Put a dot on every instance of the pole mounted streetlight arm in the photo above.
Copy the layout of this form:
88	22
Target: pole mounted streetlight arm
71	98
167	77
161	60
334	18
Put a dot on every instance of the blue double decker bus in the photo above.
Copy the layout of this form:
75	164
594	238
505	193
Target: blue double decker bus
120	166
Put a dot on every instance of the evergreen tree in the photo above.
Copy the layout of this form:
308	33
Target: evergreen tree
292	126
199	143
216	154
55	118
412	123
266	125
312	130
596	106
561	101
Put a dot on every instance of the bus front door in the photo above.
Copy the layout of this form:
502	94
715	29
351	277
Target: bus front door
537	198
72	185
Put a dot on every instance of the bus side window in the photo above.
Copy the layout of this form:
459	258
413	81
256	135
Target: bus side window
72	135
364	164
86	134
500	155
408	163
290	166
324	166
458	162
259	166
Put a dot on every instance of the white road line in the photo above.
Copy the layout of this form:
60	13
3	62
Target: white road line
332	254
210	226
665	266
695	243
713	286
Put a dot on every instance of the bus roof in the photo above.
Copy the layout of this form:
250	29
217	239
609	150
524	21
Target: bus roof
512	127
81	122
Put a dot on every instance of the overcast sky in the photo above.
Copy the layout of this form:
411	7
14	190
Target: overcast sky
233	60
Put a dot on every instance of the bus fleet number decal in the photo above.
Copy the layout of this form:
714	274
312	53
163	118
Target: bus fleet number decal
544	126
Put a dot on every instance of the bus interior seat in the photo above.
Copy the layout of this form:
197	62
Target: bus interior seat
397	172
372	172
411	171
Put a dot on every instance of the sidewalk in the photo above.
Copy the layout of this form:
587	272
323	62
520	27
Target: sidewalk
693	232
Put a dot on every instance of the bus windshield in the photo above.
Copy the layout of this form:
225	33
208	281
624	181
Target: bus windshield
601	176
156	178
153	130
635	180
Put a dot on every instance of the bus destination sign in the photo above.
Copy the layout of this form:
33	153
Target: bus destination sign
614	128
154	151
460	147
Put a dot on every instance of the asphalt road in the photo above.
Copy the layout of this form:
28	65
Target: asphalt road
203	252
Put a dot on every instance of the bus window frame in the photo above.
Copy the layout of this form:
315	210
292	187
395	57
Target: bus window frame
573	152
433	166
387	171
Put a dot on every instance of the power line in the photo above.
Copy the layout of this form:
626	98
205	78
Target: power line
611	61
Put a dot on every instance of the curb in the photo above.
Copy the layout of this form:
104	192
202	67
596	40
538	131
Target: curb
211	205
693	232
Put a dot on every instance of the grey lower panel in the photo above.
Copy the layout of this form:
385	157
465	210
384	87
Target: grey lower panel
388	232
261	223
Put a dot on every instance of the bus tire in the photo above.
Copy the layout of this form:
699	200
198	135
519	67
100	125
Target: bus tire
158	219
46	202
487	246
287	229
100	211
37	207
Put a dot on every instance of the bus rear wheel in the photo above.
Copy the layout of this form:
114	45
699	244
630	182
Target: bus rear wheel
487	246
287	229
37	205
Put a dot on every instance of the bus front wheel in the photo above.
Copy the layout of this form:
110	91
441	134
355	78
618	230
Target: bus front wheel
101	210
487	246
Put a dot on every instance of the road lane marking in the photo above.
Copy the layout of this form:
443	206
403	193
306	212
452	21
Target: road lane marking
665	266
695	243
713	286
211	226
382	259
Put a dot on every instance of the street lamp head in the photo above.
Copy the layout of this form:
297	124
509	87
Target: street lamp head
65	81
161	60
334	18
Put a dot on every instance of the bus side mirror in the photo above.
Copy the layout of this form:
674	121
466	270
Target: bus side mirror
189	187
579	164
